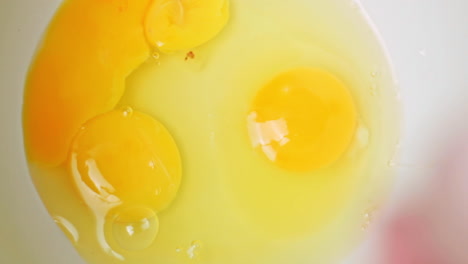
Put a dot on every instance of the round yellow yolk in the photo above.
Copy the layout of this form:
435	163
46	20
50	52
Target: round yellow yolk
173	25
126	158
303	119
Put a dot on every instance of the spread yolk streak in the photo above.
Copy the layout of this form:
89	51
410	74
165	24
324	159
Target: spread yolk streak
126	158
173	25
303	119
90	48
79	71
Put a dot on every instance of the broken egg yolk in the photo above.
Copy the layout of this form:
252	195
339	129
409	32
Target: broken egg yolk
79	72
303	119
89	50
173	25
126	158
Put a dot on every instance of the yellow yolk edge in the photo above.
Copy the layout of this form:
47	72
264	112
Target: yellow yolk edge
303	119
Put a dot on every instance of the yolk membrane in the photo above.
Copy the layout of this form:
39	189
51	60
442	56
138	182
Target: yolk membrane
126	158
303	119
173	25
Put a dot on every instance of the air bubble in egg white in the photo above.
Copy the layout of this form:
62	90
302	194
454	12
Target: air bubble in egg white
362	135
127	112
135	229
193	250
155	55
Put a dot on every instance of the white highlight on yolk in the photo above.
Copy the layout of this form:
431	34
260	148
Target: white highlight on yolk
264	133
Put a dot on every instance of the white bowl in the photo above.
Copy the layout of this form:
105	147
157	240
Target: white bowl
427	41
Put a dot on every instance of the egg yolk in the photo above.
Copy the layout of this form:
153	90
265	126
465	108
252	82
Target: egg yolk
173	25
303	119
90	48
126	158
79	71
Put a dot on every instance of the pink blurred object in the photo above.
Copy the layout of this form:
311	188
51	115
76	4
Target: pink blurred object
433	228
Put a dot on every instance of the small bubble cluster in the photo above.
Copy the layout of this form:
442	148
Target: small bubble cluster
192	251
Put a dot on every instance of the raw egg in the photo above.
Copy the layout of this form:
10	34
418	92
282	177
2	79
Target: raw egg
210	131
